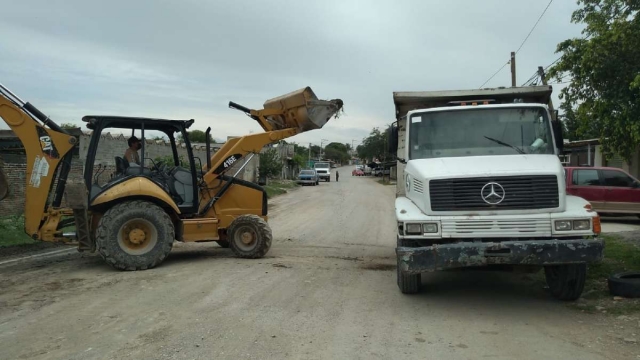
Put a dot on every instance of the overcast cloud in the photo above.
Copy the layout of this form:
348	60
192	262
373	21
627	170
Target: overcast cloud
187	59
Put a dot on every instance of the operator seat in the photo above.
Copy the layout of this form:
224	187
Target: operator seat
120	165
182	185
134	170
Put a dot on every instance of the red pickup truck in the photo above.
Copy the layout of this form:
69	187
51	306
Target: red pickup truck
609	190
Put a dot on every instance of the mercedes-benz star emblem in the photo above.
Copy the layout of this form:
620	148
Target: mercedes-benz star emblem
492	193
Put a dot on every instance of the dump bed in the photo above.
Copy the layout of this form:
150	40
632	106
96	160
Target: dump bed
406	101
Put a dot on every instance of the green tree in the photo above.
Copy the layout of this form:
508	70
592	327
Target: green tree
336	152
69	126
196	136
375	146
270	163
604	73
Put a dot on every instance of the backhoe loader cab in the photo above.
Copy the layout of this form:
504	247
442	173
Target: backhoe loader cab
176	183
133	216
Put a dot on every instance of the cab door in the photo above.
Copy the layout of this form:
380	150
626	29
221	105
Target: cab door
622	192
587	184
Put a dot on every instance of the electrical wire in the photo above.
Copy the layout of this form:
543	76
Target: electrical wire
521	45
534	26
496	73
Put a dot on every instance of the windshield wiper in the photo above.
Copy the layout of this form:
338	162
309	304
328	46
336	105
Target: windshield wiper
505	144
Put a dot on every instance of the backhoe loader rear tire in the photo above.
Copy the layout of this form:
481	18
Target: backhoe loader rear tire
249	237
135	235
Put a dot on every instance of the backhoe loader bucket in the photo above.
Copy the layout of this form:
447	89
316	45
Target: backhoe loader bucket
301	109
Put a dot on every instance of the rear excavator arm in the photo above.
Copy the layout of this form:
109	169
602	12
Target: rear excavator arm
47	150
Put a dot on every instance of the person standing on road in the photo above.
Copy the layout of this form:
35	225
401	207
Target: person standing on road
337	175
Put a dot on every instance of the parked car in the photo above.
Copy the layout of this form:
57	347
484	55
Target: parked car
308	177
357	172
609	190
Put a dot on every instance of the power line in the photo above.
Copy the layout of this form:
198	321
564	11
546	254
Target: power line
521	45
534	26
496	73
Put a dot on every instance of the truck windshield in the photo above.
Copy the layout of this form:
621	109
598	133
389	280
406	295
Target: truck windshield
321	165
480	132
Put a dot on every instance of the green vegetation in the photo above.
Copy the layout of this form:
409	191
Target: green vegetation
603	75
385	182
12	229
270	163
168	161
278	187
375	146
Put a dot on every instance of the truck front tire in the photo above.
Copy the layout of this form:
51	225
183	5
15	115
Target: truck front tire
407	283
566	282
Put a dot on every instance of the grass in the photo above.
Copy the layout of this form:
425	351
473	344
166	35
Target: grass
619	256
278	187
12	229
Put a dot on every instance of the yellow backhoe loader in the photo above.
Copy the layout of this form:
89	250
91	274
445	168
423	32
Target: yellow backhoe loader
133	218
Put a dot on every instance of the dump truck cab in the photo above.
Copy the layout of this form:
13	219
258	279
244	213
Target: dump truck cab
482	185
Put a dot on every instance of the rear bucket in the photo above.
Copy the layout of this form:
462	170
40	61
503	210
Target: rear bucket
302	109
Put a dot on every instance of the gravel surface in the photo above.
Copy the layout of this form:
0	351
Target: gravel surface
326	290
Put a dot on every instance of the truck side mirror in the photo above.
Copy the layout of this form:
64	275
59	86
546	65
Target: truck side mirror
393	140
557	134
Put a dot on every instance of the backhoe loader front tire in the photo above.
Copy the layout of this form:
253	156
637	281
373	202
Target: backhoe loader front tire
135	235
249	237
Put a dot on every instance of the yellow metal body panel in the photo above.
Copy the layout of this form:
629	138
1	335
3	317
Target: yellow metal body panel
45	149
199	230
138	186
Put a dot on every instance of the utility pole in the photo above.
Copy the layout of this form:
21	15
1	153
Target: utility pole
513	69
309	159
544	82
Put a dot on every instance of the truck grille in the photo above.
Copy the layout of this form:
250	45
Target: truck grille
499	228
511	193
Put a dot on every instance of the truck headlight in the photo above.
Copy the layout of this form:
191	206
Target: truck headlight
581	225
562	225
430	228
413	229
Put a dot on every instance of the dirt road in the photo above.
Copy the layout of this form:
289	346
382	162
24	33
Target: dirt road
326	290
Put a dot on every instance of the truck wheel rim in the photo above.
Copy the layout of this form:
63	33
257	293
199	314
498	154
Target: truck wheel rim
245	238
137	236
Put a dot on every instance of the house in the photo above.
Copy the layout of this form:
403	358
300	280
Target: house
589	153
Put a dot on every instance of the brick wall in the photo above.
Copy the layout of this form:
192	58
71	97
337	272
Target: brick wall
109	147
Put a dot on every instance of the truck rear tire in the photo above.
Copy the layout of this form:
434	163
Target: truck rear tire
135	235
249	237
566	282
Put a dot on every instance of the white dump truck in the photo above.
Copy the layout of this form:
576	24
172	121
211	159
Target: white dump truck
323	168
480	184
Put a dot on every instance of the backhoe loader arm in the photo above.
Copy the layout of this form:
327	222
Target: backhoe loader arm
281	117
46	149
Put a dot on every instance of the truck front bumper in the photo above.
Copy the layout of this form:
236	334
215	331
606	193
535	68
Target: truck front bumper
413	260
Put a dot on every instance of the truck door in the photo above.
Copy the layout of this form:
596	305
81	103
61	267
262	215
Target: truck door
622	193
586	183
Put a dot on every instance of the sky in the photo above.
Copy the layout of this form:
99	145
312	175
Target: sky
187	59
